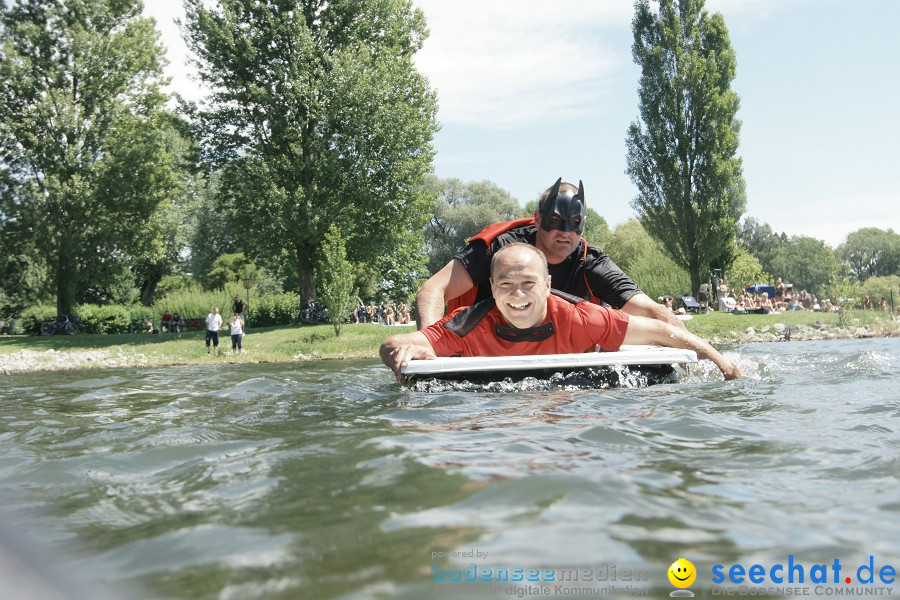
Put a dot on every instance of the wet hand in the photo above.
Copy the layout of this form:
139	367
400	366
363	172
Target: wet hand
731	371
401	355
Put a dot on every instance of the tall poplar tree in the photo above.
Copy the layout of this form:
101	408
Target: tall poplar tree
682	154
82	162
317	116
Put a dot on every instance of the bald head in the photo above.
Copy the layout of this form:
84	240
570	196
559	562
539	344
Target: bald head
518	251
520	284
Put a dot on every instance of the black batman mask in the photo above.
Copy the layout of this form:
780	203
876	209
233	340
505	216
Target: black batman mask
564	210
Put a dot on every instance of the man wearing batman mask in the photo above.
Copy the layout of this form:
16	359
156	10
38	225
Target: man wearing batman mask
575	267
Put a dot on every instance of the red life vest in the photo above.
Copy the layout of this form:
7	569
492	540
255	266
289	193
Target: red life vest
488	235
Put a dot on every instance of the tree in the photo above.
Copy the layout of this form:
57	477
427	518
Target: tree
83	164
745	270
459	211
760	241
337	279
232	268
807	263
682	155
645	261
626	243
872	252
317	116
878	287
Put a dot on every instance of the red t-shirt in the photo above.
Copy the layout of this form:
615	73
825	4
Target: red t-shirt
577	328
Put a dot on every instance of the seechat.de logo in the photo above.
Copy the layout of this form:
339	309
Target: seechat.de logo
682	574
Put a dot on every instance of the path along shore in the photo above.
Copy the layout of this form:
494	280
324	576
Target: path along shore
55	360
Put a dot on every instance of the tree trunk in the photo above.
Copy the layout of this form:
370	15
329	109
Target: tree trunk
148	286
306	273
65	275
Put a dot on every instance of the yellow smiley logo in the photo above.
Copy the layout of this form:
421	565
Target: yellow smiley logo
682	573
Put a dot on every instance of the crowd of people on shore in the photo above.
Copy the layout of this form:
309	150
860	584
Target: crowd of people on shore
750	300
386	313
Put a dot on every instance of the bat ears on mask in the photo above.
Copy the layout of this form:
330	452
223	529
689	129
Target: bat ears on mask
554	191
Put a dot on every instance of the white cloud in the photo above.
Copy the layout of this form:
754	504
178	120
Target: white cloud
506	62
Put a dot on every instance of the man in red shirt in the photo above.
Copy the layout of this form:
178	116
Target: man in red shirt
555	229
525	317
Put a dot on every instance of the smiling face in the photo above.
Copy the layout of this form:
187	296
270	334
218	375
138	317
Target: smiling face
682	573
520	285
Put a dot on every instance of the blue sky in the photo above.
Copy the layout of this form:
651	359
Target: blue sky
531	91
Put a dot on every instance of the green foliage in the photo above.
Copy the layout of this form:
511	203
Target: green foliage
24	278
402	269
682	155
232	268
760	241
336	288
872	252
195	304
169	284
209	238
626	242
460	210
882	287
746	270
365	281
276	309
33	316
319	116
845	293
805	262
657	274
644	260
85	163
104	319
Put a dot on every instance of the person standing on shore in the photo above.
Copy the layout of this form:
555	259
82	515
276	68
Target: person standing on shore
237	333
213	325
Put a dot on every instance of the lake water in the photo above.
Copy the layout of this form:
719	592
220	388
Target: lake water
328	480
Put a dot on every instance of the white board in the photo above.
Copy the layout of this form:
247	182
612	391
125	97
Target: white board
627	355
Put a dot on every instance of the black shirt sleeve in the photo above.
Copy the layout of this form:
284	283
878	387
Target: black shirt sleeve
608	282
476	259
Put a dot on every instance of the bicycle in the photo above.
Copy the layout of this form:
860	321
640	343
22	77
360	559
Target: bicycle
57	326
315	312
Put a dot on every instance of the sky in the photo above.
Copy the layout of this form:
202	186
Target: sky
531	91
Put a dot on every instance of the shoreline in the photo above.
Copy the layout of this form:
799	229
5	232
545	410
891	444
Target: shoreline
53	360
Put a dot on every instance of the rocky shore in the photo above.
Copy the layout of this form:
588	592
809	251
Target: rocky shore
51	360
779	332
54	360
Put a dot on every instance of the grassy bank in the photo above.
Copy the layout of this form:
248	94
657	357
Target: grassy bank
304	342
270	344
721	328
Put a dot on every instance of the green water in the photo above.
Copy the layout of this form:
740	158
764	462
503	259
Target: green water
328	480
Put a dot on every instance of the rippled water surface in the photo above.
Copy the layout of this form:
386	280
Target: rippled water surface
329	480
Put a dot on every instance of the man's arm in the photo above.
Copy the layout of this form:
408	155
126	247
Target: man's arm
642	330
398	350
446	284
642	305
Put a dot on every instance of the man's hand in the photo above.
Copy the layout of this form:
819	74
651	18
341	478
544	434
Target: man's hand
398	350
401	356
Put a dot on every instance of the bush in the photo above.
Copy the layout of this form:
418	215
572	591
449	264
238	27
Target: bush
33	317
274	309
111	318
195	304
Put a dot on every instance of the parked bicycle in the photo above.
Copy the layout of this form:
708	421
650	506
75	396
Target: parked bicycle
56	326
315	312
